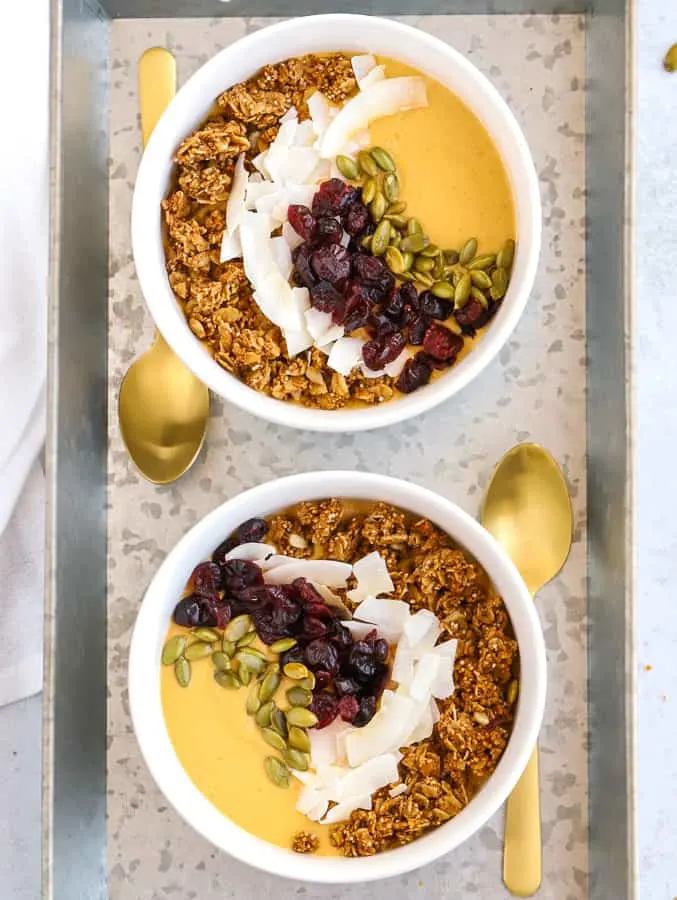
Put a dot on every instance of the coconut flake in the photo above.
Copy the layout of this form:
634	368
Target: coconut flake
345	355
293	238
371	776
292	113
398	790
231	248
423	728
425	674
258	189
282	256
388	615
297	341
259	163
332	599
342	811
327	571
403	664
277	301
235	208
422	630
372	577
359	630
251	551
378	73
322	328
384	733
362	65
385	98
321	112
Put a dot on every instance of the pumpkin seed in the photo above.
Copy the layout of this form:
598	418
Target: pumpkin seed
414	226
450	257
453	325
299	715
377	207
282	645
424	278
238	627
391	187
407	276
246	639
431	250
396	220
480	279
308	682
173	649
499	283
394	260
481	718
299	696
221	661
367	163
182	671
296	670
244	674
262	716
468	251
670	60
396	208
365	243
478	295
462	291
208	635
395	238
198	651
483	262
227	680
253	704
229	647
251	660
438	268
407	260
369	189
277	771
274	739
506	254
347	167
380	238
278	721
442	289
273	667
298	739
513	690
383	159
421	264
296	759
414	242
269	685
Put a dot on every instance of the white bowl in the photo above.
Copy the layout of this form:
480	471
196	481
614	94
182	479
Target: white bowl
241	60
151	627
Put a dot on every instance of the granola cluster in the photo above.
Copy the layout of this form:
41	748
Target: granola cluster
305	842
444	772
217	297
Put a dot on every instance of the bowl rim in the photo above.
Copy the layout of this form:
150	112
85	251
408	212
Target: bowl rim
150	629
151	185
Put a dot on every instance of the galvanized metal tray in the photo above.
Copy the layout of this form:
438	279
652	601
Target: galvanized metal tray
563	379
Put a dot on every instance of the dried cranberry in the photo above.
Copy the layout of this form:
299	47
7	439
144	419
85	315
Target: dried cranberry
380	326
362	665
322	679
435	307
410	296
239	574
285	614
331	263
346	685
301	220
435	363
333	196
380	650
417	329
313	628
366	713
329	230
318	611
325	297
342	638
319	654
325	707
394	306
356	313
252	531
471	316
294	654
188	611
378	353
206	579
414	375
348	708
369	268
355	218
441	343
306	591
223	613
303	273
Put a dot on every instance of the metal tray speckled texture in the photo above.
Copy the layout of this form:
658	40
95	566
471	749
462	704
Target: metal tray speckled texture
563	380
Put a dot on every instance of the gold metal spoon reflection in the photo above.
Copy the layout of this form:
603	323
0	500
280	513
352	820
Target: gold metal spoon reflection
528	510
163	408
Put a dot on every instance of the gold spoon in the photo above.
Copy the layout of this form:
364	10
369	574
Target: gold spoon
163	408
528	510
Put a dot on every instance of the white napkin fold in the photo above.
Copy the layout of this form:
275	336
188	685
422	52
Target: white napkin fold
24	223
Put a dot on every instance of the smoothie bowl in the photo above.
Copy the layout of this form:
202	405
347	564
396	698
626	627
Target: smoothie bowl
337	676
336	223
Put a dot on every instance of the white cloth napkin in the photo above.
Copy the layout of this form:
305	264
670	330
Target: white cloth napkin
24	223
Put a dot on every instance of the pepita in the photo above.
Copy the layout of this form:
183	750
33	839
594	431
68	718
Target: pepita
198	651
478	295
298	739
431	250
244	674
481	718
424	278
277	771
278	721
450	257
453	325
221	661
262	716
296	759
299	715
369	190
238	627
483	262
246	639
308	682
438	268
182	671
421	264
391	187
283	644
298	696
367	163
394	260
395	238
468	251
397	220
229	647
480	279
347	167
414	242
253	704
380	238
269	685
443	290
383	159
513	690
365	243
273	739
227	680
406	275
207	635
377	207
499	283
296	670
273	667
173	649
414	226
251	660
462	291
506	255
397	208
407	260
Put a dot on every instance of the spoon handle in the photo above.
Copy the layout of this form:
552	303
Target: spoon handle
522	865
157	86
